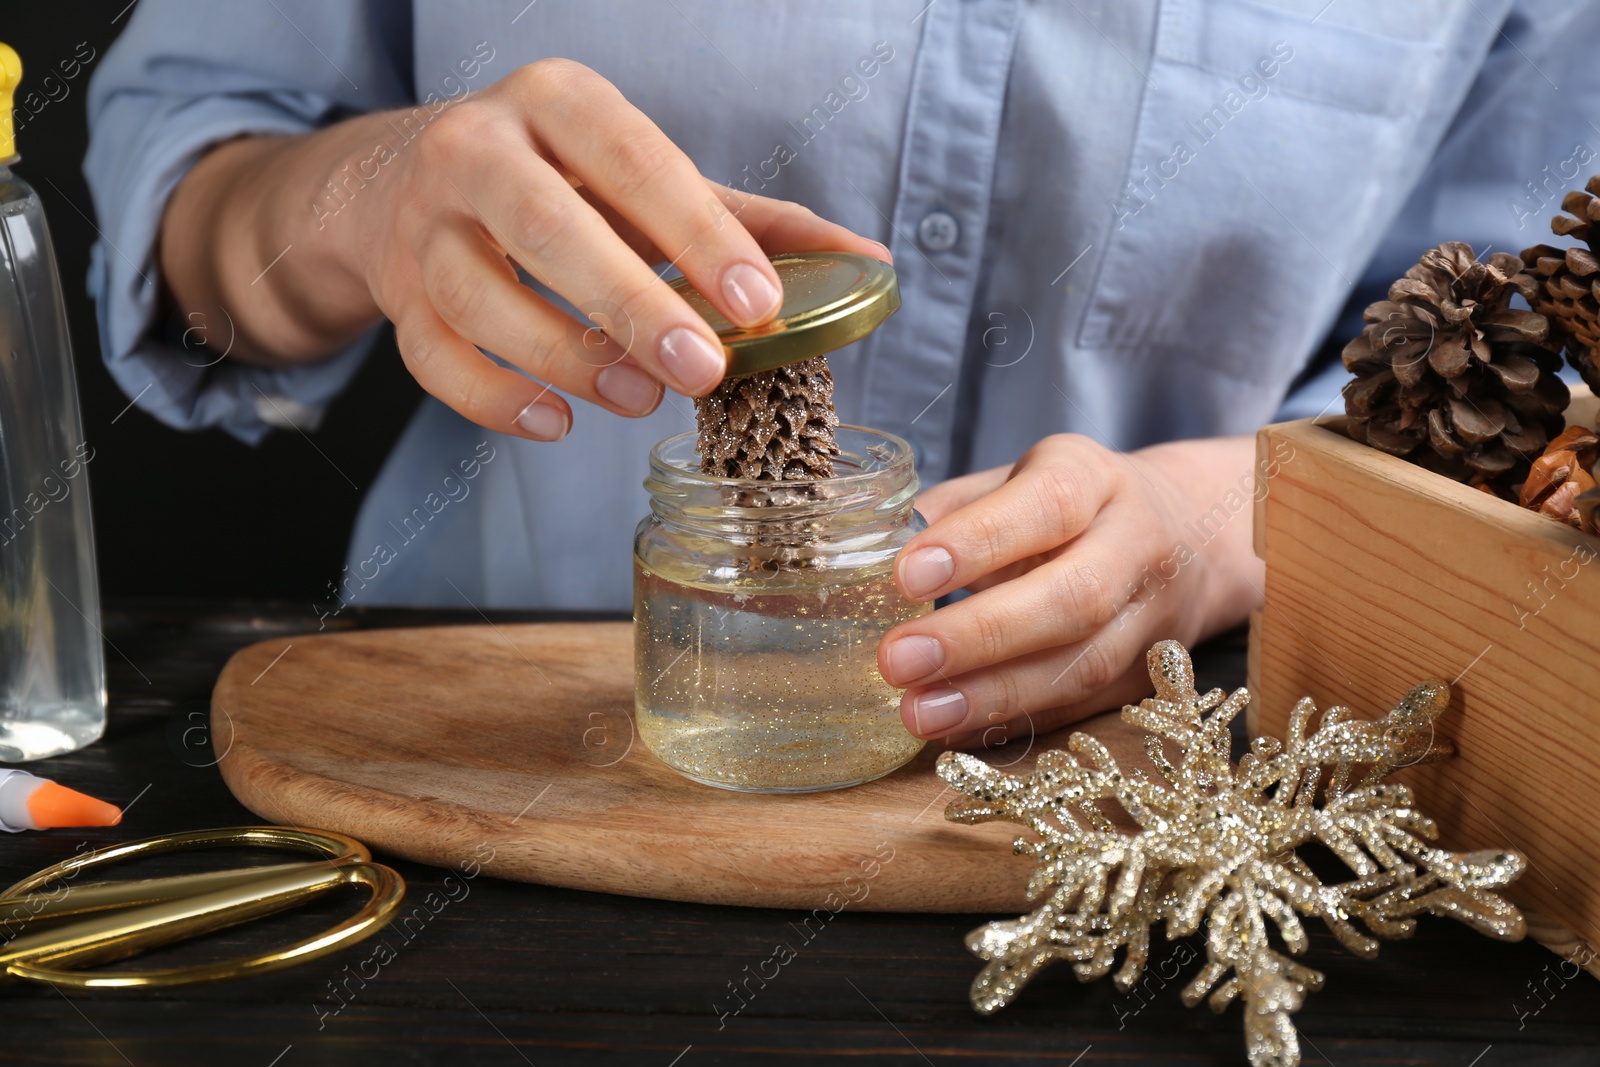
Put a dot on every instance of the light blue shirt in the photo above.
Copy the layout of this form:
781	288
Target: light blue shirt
1130	219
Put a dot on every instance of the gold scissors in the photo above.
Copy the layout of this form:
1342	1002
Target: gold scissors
100	922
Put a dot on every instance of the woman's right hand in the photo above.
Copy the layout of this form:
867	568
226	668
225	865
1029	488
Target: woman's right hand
550	169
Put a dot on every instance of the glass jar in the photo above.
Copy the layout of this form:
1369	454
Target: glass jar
757	611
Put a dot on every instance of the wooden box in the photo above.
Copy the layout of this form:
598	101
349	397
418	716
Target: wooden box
1379	575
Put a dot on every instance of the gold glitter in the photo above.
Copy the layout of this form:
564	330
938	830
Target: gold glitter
770	685
1216	845
758	608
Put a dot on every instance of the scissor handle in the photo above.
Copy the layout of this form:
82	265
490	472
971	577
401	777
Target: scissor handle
137	928
85	898
387	891
296	838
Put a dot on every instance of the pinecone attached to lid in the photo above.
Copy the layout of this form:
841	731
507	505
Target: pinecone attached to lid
774	425
1569	281
1450	376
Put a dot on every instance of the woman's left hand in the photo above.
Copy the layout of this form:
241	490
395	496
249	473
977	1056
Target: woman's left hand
1079	559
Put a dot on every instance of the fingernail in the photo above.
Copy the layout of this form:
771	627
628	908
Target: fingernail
938	710
543	421
926	571
750	295
630	388
694	364
913	657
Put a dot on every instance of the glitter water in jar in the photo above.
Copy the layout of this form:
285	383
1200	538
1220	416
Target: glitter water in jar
763	576
758	607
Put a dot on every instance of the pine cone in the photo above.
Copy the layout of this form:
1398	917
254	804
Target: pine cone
1449	375
1560	479
1569	289
1561	476
774	425
1587	505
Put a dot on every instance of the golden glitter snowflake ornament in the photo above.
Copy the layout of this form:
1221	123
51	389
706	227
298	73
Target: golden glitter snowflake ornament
1216	845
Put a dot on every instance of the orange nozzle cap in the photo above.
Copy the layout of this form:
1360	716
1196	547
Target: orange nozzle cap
53	805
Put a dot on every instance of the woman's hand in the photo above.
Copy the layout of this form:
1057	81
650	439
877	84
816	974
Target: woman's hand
423	220
1080	559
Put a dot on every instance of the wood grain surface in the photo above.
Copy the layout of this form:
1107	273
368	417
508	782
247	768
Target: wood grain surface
431	743
1381	575
511	973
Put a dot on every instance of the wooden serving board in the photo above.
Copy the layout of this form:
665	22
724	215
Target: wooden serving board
513	747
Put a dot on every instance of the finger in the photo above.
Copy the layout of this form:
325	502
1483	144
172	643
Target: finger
631	236
1131	687
784	226
1061	601
1005	574
1057	686
473	385
1046	504
779	226
476	293
637	169
937	501
528	209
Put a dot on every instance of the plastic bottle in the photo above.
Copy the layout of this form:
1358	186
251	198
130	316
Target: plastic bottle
52	667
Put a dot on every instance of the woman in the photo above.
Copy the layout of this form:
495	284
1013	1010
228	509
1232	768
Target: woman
1121	232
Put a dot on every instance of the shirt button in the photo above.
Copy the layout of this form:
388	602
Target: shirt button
938	231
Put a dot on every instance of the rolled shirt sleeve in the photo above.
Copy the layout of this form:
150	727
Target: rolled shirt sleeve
184	76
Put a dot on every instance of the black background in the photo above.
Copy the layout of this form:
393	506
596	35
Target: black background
190	514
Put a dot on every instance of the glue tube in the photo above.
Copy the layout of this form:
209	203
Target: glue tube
28	802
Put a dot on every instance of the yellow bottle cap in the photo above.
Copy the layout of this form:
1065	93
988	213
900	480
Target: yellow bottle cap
10	75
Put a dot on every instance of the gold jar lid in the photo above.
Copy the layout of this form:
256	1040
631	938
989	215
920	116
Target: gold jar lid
829	300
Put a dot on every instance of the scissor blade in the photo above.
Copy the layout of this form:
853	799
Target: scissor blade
102	896
128	931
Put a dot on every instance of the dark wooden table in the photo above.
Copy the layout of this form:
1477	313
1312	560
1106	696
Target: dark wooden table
511	973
